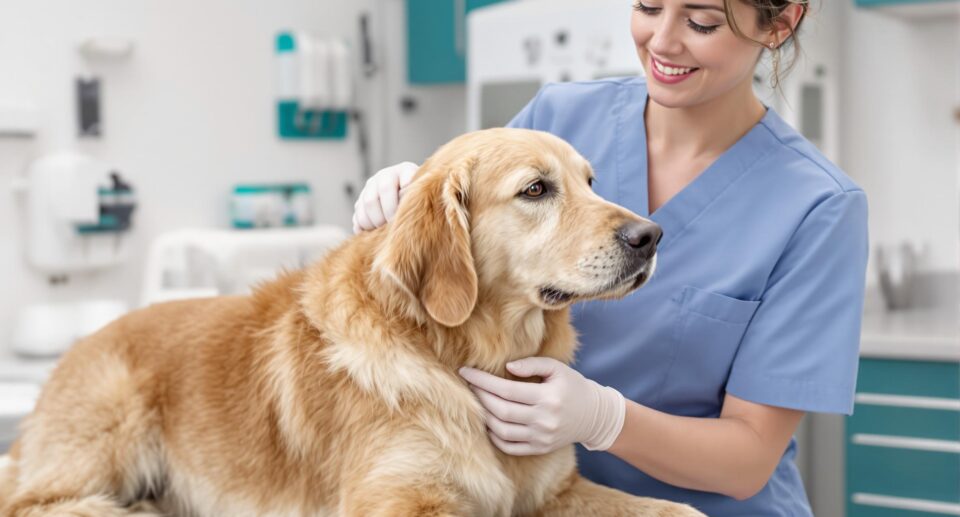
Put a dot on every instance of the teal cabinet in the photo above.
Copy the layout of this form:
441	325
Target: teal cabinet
903	440
437	39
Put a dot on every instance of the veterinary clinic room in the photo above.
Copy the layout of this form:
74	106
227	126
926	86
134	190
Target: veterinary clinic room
480	258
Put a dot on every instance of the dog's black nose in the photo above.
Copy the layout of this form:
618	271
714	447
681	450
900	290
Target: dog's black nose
641	237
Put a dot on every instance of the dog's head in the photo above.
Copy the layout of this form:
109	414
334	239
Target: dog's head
511	211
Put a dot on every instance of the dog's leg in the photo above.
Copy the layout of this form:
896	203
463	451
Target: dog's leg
92	506
583	497
90	448
415	500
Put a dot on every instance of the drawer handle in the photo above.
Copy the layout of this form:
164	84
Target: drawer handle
901	442
904	503
877	399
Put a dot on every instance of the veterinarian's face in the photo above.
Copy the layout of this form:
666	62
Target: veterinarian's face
538	227
690	54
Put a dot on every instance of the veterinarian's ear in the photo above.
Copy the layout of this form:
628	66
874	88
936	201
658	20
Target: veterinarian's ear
427	249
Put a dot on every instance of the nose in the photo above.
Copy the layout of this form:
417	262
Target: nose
641	237
664	41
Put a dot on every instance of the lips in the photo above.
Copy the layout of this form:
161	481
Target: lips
662	71
671	65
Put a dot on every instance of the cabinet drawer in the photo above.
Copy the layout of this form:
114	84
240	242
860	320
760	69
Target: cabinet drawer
914	378
868	505
899	472
914	422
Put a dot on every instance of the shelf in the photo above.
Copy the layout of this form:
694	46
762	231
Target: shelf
917	10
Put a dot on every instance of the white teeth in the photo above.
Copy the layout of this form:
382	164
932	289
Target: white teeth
669	70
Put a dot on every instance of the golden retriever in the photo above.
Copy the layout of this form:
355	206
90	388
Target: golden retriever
334	390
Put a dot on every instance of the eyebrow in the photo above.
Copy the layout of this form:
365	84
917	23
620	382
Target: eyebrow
702	6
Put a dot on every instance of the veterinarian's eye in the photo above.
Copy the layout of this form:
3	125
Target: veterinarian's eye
535	190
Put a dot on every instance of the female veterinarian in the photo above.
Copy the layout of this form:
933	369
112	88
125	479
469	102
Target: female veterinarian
694	385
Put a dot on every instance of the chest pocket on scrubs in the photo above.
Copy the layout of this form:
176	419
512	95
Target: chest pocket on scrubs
707	333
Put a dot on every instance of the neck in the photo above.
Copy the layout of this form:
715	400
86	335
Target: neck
708	128
503	327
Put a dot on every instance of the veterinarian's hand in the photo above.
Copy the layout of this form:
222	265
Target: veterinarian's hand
378	201
526	418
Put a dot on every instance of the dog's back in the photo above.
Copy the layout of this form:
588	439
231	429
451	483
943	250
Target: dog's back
233	406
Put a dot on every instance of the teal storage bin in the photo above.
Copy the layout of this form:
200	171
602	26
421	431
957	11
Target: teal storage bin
292	122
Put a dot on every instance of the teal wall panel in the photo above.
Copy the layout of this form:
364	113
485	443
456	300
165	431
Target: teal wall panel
436	47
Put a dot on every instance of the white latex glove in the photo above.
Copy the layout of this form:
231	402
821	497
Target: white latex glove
377	203
527	418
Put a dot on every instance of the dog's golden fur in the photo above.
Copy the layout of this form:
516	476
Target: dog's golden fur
334	390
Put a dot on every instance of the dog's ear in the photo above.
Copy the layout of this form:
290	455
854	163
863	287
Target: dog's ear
427	249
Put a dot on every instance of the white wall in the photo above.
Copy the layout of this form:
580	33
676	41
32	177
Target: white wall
441	110
899	82
899	90
189	114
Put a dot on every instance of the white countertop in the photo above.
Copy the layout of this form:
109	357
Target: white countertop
20	380
15	368
931	334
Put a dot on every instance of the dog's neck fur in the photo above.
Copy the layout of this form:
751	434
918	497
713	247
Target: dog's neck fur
521	329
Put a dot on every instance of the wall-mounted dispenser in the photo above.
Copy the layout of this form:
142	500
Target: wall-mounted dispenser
78	212
315	86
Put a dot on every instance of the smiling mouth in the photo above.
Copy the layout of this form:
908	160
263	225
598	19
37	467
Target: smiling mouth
671	69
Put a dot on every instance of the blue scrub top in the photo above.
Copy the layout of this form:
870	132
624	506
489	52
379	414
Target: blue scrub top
758	290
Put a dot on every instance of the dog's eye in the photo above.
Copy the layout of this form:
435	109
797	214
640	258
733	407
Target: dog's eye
535	190
590	182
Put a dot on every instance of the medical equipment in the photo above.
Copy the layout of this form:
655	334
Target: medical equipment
271	205
209	262
516	47
315	86
88	107
78	212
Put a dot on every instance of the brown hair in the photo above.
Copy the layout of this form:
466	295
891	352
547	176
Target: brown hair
768	11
